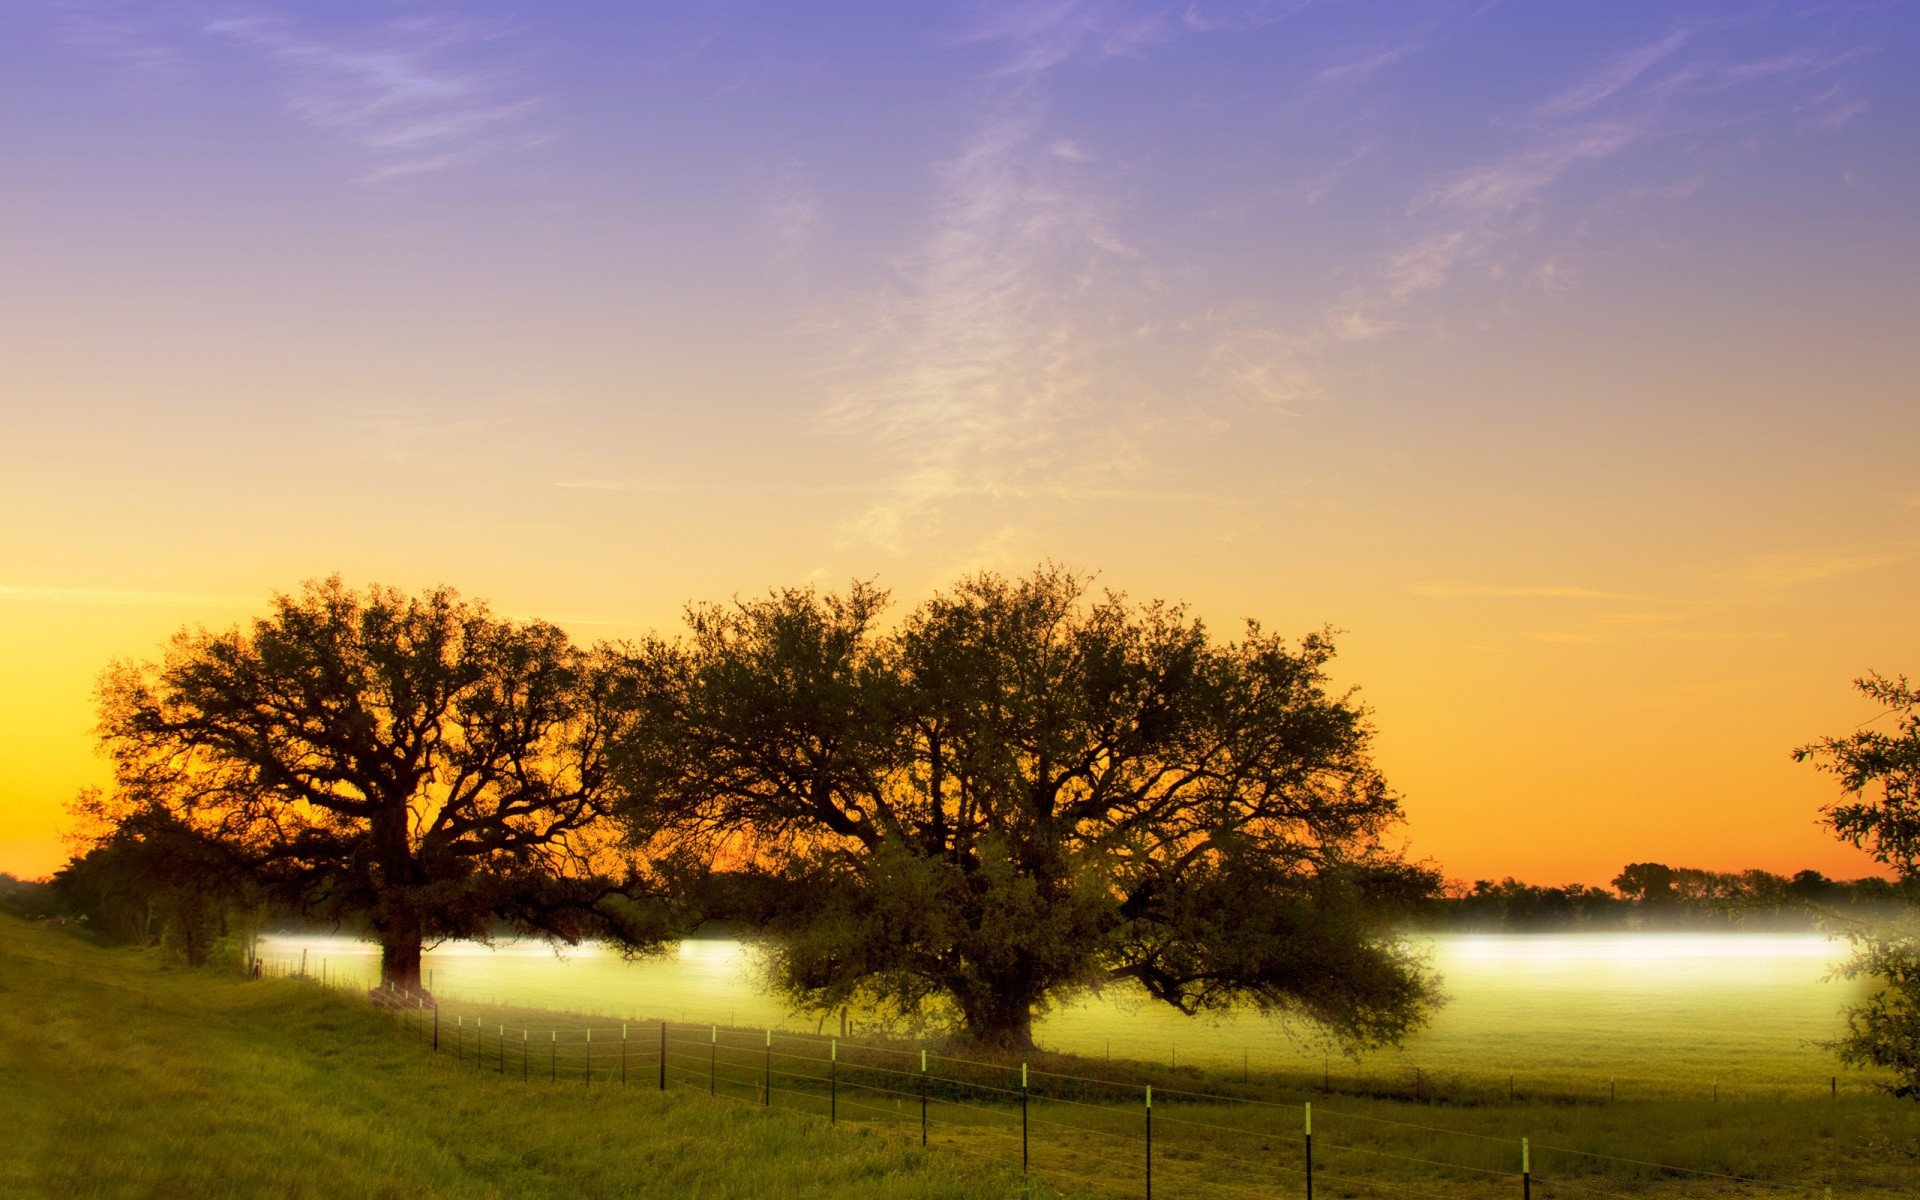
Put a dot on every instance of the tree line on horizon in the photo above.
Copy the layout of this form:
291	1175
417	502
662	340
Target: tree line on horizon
1652	896
1018	792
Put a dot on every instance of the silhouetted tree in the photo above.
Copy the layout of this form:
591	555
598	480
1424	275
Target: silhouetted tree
1024	792
1648	884
1884	1032
148	878
413	762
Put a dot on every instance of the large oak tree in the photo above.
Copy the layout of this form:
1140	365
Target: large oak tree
413	763
1024	791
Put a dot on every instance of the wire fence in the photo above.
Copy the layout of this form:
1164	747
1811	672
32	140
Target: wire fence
1102	1134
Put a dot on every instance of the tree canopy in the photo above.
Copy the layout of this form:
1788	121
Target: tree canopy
1022	791
411	762
1884	1031
1886	825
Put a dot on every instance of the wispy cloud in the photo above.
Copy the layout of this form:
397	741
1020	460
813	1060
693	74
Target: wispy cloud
792	213
1786	570
1495	214
987	344
1611	78
115	596
1457	591
407	90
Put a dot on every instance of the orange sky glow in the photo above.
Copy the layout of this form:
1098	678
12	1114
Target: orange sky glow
1582	400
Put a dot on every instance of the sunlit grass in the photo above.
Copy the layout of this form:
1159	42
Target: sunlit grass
119	1079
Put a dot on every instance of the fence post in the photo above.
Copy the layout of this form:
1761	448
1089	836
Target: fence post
523	1054
766	1098
1309	1150
663	1055
713	1062
503	1051
553	1056
1833	1087
1526	1171
1149	1142
1023	1118
923	1097
436	1027
833	1082
588	1061
459	1037
623	1054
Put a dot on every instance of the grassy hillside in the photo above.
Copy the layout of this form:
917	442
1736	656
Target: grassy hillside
120	1078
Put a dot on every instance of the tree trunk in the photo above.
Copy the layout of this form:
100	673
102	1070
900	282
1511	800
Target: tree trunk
1000	1022
400	955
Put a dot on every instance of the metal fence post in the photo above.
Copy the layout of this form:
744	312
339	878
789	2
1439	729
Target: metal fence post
587	1062
553	1056
523	1054
1309	1150
713	1062
1023	1118
459	1037
923	1098
766	1098
663	1056
833	1082
503	1050
1149	1142
1526	1170
436	1027
623	1054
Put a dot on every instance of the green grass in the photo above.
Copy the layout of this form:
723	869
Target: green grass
121	1079
1086	1134
127	1080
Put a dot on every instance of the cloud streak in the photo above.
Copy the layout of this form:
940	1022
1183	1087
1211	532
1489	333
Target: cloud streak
1460	591
407	90
112	596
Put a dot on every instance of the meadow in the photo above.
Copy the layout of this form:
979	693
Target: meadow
122	1079
1672	1016
127	1079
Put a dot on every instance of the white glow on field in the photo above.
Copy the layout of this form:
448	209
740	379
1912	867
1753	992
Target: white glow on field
1637	948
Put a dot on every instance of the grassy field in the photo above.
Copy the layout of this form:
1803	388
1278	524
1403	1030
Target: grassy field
130	1080
120	1079
1642	1016
1086	1120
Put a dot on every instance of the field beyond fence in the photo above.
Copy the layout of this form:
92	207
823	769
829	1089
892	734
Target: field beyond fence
1097	1129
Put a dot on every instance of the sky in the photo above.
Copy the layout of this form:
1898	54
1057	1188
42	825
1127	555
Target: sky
1561	356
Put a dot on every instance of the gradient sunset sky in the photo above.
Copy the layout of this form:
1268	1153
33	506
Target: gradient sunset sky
1563	355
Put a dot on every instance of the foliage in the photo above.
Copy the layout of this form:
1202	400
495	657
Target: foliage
34	898
1022	792
1885	1031
150	879
413	761
1887	826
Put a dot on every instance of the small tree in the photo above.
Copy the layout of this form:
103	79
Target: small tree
1024	792
148	878
411	762
1885	1031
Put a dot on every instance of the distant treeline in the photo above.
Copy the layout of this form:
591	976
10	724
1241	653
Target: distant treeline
1653	895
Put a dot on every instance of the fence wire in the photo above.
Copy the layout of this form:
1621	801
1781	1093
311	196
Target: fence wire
1139	1146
